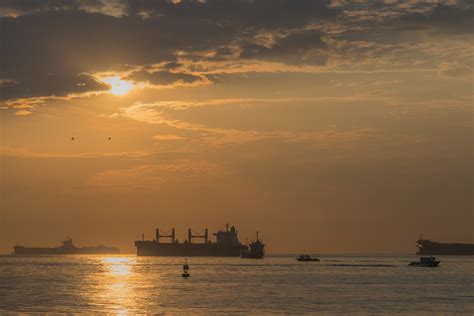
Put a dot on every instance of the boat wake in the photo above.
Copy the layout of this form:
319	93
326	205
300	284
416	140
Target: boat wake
359	265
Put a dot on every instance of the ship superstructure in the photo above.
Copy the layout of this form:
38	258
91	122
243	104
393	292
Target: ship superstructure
226	244
428	247
67	248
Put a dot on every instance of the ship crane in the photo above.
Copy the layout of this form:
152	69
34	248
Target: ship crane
171	236
205	237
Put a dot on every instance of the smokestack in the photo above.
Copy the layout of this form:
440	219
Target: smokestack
157	235
190	236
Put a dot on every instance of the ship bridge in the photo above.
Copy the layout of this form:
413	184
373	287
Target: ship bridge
227	237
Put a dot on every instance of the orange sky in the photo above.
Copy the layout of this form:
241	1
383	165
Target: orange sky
329	127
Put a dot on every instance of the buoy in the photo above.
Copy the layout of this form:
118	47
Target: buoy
185	269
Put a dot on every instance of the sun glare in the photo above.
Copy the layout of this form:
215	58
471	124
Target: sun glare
118	86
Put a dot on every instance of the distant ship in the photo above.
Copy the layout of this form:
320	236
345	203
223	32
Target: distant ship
226	245
256	250
427	247
67	248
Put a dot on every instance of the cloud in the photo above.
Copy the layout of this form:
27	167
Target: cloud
455	69
164	78
245	14
72	40
168	137
20	7
50	84
59	57
148	176
168	113
205	135
301	47
23	112
55	48
20	152
455	18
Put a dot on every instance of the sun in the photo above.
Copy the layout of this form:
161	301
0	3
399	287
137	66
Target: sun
118	86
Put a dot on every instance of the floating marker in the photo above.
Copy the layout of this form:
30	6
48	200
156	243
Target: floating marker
185	269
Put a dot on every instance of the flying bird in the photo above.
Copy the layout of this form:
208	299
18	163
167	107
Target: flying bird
110	138
72	138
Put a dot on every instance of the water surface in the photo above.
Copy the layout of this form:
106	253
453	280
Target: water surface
336	284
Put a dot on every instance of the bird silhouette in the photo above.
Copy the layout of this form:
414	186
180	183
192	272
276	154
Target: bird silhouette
72	138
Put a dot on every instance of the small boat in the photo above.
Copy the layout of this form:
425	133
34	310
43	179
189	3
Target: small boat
306	258
425	262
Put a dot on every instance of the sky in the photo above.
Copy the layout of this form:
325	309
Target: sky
329	126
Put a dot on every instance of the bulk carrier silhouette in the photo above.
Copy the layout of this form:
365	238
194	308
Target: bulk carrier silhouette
67	248
428	247
227	244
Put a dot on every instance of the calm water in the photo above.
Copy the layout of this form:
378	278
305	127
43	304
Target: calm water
128	284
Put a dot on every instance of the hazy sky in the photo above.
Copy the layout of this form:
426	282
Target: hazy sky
328	126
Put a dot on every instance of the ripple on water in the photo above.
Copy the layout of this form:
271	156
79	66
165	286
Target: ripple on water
130	284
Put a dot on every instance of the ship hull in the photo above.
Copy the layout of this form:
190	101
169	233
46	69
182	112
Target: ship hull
446	252
152	248
431	248
247	255
20	250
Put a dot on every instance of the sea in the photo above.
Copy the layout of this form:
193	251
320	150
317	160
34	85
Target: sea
127	284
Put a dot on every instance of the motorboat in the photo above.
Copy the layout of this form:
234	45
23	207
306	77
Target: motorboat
305	258
425	262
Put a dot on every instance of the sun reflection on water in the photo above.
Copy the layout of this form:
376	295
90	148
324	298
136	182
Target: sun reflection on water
118	288
118	265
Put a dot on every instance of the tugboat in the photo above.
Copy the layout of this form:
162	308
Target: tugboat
256	250
425	262
306	258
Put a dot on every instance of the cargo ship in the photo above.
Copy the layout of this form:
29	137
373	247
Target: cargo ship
227	244
67	248
427	248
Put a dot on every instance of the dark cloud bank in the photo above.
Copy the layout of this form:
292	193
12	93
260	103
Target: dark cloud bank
52	47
